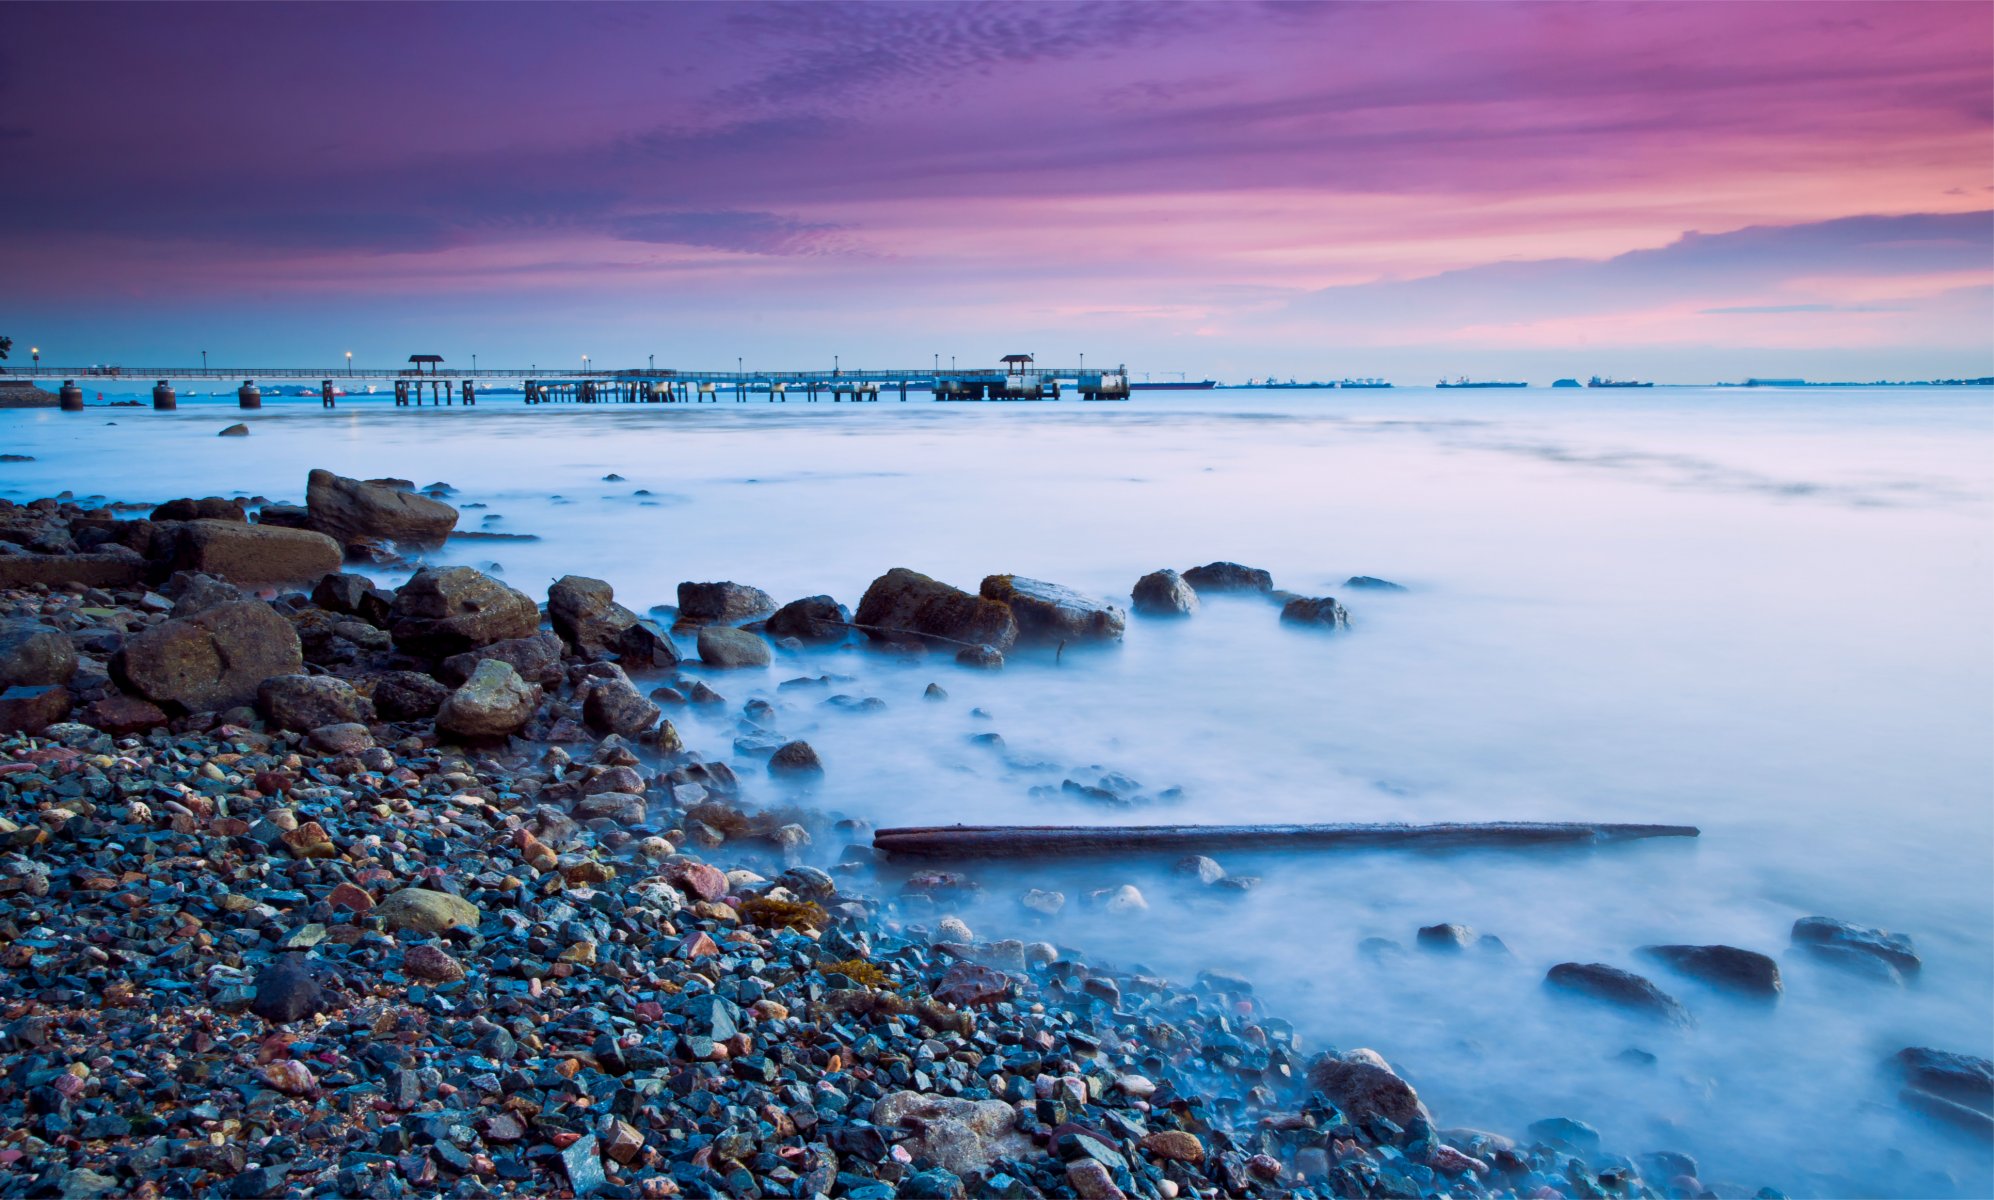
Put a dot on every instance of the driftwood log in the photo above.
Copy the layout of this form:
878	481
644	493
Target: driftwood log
1047	841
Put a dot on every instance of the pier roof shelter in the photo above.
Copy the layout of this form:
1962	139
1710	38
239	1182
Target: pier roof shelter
1016	360
433	361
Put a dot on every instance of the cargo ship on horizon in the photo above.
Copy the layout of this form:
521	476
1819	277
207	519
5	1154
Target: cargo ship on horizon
1602	382
1465	382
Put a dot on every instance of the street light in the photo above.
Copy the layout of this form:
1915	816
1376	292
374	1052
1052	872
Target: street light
37	352
474	364
349	362
204	360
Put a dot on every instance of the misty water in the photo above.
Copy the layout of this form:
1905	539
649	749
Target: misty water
1763	613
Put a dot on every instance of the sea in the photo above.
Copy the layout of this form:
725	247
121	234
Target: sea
1767	613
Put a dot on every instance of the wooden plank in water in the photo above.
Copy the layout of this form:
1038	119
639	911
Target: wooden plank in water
1040	841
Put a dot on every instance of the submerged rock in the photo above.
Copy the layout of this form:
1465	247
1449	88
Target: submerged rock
1163	593
1618	987
1725	966
1373	584
795	758
722	603
1963	1078
1448	938
1229	577
1319	610
1827	932
725	646
982	658
904	605
811	619
1048	612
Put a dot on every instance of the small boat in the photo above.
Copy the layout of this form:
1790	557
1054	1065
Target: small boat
1465	382
1599	381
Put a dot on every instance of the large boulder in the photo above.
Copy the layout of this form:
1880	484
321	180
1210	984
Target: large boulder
33	707
1048	612
722	603
959	1136
448	610
1617	987
811	619
1962	1078
305	702
494	703
1725	966
355	511
211	508
210	661
354	596
1164	594
33	653
109	567
586	615
248	553
725	646
536	658
907	606
1363	1087
1229	577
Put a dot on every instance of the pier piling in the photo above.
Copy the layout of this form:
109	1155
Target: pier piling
163	399
249	395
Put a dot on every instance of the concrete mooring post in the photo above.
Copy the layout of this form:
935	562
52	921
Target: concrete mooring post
248	395
70	398
325	393
163	399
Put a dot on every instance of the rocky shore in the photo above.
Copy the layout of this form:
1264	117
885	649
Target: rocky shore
316	887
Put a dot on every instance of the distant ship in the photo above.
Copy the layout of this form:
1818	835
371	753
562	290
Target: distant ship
1597	381
1365	383
1180	385
1465	382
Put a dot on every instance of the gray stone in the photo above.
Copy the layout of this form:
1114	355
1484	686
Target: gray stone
423	910
724	646
907	606
408	696
536	658
1363	1087
353	511
1373	584
1228	577
494	703
1447	938
1048	613
305	702
811	619
1323	611
982	658
31	708
1892	948
1726	966
795	758
585	614
1964	1078
722	603
247	553
210	661
612	704
1622	988
448	610
1164	594
34	654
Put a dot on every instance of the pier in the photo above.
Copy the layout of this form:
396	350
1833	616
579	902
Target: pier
428	379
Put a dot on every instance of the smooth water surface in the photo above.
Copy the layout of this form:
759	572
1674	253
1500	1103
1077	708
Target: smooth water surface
1762	613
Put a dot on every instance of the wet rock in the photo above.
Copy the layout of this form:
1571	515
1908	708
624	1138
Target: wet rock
1951	1112
981	658
122	715
1323	611
1043	902
236	430
811	619
210	661
448	610
907	606
1622	988
33	708
934	691
583	1163
1892	948
536	658
624	808
1373	584
721	603
32	653
1091	1180
640	647
305	702
193	592
1049	613
354	596
345	737
408	696
1174	1145
586	615
209	508
1163	594
613	704
1447	938
1567	1134
725	646
428	961
1963	1078
1228	577
353	511
248	554
494	703
284	516
1365	1088
288	990
1199	867
1726	966
423	910
959	1136
795	759
1121	900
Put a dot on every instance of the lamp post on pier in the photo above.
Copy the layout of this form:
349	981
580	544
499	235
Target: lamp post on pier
349	363
37	352
204	360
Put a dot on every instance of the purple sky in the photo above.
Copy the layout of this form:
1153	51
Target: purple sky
1674	191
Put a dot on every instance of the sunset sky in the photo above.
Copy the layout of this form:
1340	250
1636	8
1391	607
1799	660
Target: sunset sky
1675	191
